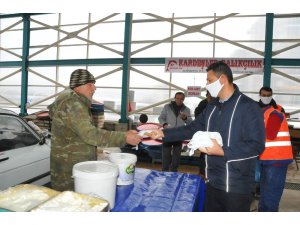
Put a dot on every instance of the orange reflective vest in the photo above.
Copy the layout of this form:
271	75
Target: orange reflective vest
279	148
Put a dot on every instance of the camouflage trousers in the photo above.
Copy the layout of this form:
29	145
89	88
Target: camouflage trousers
61	166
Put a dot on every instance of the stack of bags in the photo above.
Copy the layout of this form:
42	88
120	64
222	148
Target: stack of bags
98	114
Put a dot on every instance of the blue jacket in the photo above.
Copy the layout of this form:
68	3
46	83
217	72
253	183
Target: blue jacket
240	122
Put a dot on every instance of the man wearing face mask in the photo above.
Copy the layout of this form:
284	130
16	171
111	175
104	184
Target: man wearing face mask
277	154
266	99
230	168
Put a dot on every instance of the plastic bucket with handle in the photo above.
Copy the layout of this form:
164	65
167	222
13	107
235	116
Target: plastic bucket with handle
126	163
96	178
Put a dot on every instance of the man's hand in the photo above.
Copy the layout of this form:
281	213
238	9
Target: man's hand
133	138
216	149
183	115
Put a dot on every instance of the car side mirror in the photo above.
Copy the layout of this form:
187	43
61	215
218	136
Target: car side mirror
43	140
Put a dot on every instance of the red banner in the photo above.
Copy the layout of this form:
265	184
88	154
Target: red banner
199	65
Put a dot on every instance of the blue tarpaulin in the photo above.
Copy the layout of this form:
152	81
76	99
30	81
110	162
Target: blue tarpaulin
157	191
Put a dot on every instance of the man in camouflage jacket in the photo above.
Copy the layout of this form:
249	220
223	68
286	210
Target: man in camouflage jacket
74	136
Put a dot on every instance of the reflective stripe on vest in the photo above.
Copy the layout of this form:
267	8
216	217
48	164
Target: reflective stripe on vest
283	134
278	143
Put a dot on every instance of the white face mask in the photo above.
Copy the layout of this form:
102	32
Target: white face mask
266	100
214	88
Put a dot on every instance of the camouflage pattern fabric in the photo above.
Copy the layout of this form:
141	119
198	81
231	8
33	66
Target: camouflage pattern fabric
74	137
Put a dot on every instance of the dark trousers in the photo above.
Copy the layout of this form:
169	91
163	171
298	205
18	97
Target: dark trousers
272	181
171	156
221	201
202	164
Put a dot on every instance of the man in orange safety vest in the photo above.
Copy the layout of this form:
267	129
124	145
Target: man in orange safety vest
277	154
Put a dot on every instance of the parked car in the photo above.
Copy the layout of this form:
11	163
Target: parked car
24	153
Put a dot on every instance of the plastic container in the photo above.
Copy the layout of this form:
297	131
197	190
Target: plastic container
126	163
103	153
96	178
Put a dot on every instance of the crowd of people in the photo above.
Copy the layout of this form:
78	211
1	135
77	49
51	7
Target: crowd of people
253	133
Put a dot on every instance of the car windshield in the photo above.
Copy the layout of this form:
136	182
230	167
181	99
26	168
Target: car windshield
13	134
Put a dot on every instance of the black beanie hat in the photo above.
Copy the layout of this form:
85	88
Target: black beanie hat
81	77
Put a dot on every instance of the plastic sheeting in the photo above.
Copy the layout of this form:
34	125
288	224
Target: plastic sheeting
156	191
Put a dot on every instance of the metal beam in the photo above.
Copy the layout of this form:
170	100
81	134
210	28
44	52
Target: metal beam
286	62
126	68
10	64
119	61
25	53
76	62
103	61
74	34
147	61
268	49
193	29
4	16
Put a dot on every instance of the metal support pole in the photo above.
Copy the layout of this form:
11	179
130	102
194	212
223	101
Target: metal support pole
25	53
268	49
126	68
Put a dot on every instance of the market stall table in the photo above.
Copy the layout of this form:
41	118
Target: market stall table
157	191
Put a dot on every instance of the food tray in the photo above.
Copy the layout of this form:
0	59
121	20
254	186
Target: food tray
69	201
24	197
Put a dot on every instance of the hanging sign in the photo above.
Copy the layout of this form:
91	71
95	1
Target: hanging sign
199	65
193	91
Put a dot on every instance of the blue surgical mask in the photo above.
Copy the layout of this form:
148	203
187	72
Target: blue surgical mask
214	88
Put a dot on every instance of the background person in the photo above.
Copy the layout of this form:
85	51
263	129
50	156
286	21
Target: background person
202	104
277	154
266	99
143	118
74	136
174	114
239	120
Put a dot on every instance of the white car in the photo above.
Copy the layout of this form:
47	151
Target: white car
24	154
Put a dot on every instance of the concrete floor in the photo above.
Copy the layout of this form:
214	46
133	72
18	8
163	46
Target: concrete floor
290	200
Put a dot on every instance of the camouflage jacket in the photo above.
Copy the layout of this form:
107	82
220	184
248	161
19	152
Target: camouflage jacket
73	131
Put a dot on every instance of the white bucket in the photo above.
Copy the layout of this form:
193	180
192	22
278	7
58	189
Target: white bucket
102	153
126	163
96	178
